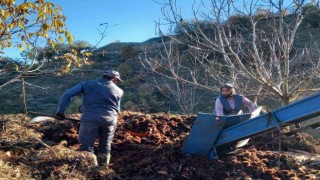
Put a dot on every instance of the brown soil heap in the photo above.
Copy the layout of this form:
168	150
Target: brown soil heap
147	146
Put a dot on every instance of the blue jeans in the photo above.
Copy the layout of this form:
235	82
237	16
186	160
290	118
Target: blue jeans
90	131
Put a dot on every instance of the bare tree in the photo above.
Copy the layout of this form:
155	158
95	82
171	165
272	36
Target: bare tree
175	73
253	44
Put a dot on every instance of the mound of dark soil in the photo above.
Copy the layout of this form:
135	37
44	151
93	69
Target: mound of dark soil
147	146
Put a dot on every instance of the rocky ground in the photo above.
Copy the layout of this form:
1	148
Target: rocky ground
147	146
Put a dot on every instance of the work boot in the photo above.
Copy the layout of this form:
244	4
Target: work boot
94	160
108	158
104	159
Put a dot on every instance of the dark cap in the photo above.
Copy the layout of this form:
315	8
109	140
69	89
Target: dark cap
112	73
228	86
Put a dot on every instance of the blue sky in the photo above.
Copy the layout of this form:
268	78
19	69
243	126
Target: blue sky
129	20
134	19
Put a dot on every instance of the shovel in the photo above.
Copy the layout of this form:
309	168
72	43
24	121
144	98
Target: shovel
47	117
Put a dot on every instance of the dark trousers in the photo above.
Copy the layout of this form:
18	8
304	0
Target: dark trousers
90	131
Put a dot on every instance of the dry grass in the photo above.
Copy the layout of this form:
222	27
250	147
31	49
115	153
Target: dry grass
22	156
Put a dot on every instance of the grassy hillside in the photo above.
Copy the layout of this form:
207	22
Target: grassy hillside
42	93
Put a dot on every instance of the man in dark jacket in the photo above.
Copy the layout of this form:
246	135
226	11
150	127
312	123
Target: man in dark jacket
100	108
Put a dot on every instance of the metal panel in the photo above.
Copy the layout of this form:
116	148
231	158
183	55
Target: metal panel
300	110
232	120
202	135
292	113
246	129
205	131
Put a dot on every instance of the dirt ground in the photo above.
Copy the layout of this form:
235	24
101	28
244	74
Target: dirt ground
148	146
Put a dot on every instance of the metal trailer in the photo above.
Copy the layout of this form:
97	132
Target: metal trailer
206	135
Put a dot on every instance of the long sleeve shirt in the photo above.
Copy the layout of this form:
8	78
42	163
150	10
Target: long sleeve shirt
100	99
246	102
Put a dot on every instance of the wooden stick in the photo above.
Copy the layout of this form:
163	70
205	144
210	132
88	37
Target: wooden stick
24	96
41	142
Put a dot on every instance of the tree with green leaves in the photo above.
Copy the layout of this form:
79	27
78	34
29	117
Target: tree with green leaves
26	25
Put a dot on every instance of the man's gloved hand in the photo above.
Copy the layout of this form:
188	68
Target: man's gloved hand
60	116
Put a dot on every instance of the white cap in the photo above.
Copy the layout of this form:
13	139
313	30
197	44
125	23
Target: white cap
114	74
